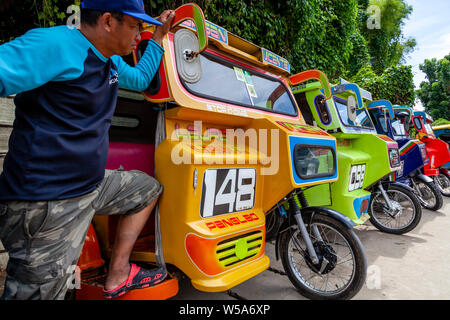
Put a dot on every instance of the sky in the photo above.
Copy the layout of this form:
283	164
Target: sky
429	24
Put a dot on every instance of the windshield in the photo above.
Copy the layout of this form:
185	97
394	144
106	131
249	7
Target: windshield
398	128
362	117
223	81
429	129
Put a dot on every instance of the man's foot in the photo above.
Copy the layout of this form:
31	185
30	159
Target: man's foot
138	278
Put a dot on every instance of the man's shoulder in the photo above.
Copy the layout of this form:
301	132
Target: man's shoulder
52	39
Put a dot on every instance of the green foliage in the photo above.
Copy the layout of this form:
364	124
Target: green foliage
435	92
396	84
387	46
440	122
328	35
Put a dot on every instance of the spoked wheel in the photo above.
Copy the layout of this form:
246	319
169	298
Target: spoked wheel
341	270
404	215
428	194
442	182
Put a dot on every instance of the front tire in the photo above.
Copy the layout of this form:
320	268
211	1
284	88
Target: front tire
340	276
406	215
442	182
431	198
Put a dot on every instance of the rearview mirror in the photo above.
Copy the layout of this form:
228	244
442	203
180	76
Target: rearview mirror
186	46
351	108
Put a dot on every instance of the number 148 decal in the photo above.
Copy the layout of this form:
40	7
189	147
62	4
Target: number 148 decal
227	190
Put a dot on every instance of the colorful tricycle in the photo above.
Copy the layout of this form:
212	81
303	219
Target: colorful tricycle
437	149
365	160
413	153
214	93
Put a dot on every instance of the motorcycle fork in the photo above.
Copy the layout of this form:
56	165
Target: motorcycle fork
295	203
416	188
385	196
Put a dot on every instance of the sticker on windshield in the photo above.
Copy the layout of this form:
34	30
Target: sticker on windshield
248	78
239	74
252	91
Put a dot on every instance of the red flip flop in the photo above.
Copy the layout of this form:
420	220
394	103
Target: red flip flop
138	278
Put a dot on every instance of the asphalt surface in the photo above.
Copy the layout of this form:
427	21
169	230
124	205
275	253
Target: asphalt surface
414	266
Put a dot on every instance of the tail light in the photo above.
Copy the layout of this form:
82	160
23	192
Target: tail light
394	158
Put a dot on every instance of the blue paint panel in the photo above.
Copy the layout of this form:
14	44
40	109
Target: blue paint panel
357	205
293	141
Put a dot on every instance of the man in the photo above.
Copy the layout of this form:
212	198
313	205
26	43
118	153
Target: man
54	177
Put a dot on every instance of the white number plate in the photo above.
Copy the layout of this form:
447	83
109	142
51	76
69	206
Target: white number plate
356	177
227	190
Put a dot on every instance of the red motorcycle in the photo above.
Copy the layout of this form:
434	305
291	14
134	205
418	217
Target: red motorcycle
438	152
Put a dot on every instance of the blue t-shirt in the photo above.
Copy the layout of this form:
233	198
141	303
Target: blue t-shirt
66	96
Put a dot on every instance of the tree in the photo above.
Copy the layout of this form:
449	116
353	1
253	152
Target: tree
435	92
387	45
396	84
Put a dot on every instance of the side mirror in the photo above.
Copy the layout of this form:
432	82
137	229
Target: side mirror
351	108
188	46
188	60
160	91
341	88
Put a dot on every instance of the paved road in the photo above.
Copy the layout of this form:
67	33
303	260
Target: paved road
411	266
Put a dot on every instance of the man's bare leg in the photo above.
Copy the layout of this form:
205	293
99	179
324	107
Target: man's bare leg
128	230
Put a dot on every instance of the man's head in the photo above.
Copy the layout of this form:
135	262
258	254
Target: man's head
117	22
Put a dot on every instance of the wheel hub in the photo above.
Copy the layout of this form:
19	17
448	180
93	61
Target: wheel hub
396	210
327	258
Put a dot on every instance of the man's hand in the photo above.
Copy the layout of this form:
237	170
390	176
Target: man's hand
166	19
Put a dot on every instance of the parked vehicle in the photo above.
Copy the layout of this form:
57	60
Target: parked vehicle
437	150
365	158
443	132
214	93
413	154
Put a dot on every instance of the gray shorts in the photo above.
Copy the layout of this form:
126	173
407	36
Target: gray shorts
44	239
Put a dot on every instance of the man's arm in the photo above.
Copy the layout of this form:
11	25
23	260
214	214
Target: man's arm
34	59
140	77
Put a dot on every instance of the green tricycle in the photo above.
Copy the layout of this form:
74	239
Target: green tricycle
365	160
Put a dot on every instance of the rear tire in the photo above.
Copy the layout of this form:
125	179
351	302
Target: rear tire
294	256
410	207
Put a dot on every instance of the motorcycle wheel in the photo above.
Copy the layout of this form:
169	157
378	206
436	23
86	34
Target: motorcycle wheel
442	182
431	198
342	266
408	211
273	222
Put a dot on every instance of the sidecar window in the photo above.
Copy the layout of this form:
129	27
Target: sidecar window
314	161
428	129
226	82
418	124
362	116
382	121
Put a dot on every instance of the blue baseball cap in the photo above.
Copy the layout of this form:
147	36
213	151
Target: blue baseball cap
134	8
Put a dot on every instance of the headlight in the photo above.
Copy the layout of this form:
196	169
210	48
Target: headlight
394	158
314	161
